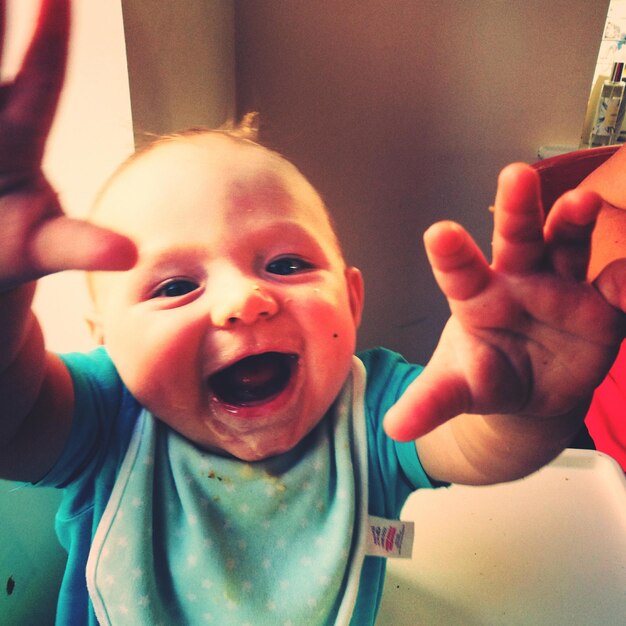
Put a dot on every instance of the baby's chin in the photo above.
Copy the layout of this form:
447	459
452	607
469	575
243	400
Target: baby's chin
260	447
253	451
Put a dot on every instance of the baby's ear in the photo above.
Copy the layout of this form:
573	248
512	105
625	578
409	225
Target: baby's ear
356	292
94	323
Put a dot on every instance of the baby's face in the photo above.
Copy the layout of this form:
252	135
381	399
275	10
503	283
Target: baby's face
238	323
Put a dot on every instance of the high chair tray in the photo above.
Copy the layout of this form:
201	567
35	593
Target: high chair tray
549	549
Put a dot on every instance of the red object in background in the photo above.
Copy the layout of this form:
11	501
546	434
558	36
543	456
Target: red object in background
606	419
564	172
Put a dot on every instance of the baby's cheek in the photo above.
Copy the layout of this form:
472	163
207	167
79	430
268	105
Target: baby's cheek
323	303
332	325
155	365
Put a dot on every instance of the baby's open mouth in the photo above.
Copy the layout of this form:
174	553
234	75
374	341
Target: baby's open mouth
254	380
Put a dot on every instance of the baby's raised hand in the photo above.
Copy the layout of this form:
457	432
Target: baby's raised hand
35	237
528	334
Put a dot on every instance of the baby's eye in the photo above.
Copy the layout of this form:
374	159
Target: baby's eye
285	266
175	288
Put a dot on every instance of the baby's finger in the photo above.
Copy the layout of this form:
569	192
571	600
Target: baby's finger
459	267
568	232
63	243
518	246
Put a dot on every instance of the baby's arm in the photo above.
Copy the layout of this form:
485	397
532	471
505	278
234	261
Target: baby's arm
527	342
37	239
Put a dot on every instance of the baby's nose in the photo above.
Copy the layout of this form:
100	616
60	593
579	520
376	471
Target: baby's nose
242	301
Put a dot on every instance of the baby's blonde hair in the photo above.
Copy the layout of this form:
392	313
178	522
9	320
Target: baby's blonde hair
244	131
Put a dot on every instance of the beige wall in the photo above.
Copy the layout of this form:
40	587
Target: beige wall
402	112
180	63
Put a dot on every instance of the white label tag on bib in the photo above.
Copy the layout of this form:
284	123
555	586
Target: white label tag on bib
389	538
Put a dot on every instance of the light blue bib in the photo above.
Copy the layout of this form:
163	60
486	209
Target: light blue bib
190	537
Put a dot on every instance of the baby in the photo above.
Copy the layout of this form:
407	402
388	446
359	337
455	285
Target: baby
223	451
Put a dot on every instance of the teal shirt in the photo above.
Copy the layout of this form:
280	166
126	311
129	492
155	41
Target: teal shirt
106	414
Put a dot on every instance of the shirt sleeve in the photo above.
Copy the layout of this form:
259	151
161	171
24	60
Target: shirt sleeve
98	398
395	467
